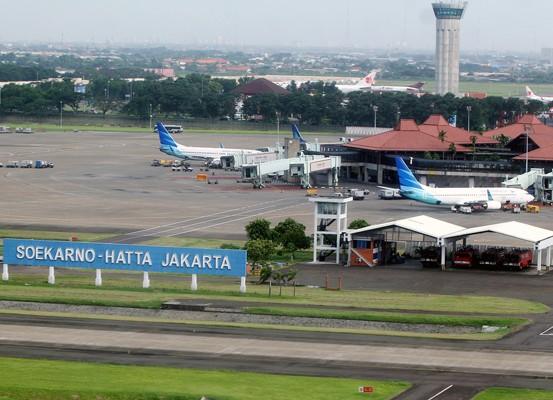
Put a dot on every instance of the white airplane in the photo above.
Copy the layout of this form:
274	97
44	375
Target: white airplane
168	146
530	95
362	84
415	88
475	198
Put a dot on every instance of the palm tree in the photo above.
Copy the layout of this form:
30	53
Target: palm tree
473	141
441	135
453	150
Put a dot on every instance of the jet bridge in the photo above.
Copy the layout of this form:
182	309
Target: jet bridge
296	169
524	181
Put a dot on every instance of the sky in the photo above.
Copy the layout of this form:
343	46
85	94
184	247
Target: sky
503	25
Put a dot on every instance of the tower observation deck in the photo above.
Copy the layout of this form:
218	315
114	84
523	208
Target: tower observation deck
448	23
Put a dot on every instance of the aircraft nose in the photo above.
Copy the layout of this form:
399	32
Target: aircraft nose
529	198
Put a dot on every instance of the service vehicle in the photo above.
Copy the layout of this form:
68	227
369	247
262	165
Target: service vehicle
357	194
155	163
466	257
12	164
430	256
518	259
26	164
389	194
493	257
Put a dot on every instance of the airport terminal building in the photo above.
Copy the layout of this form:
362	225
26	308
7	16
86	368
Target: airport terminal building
444	155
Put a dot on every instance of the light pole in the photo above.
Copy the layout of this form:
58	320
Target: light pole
469	109
0	95
61	114
151	116
278	130
375	109
526	158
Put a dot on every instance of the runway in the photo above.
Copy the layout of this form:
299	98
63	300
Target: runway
430	368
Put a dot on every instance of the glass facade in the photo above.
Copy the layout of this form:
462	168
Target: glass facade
448	12
327	208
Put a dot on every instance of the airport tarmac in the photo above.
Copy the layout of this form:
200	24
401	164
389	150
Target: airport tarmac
103	181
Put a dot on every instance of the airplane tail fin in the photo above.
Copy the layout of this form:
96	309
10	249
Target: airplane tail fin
407	180
368	80
296	133
529	92
490	197
418	85
165	138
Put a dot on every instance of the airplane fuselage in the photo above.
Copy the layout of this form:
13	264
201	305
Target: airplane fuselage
459	196
202	153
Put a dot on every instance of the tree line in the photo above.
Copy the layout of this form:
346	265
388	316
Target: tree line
201	96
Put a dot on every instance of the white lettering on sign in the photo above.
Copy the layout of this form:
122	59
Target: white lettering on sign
44	253
203	262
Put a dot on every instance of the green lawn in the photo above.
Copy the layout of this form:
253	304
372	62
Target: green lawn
59	380
41	127
192	242
408	318
505	89
124	289
514	394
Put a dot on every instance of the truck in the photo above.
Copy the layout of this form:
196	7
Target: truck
389	194
466	257
518	259
430	256
12	164
493	257
41	164
26	164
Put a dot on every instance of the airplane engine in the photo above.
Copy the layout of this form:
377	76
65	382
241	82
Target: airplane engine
492	205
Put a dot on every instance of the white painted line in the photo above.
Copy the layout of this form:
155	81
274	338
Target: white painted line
547	332
439	393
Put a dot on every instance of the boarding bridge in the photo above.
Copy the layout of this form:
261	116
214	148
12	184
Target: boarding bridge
544	188
240	159
525	180
296	169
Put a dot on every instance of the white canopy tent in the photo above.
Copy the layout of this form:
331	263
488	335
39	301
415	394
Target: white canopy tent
541	239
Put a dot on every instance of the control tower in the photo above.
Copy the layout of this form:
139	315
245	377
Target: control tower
448	23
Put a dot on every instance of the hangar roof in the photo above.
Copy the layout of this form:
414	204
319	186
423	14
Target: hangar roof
541	238
421	224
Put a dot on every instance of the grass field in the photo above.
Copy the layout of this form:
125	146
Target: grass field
124	289
408	318
58	380
514	394
504	89
42	127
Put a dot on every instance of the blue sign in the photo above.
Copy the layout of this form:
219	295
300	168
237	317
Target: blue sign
48	253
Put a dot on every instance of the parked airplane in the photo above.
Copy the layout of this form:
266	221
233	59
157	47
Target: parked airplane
362	84
530	95
415	88
172	148
475	198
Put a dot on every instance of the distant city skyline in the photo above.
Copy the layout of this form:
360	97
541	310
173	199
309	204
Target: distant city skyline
502	25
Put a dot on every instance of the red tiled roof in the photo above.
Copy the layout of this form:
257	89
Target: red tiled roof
436	123
260	86
406	137
542	154
526	122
